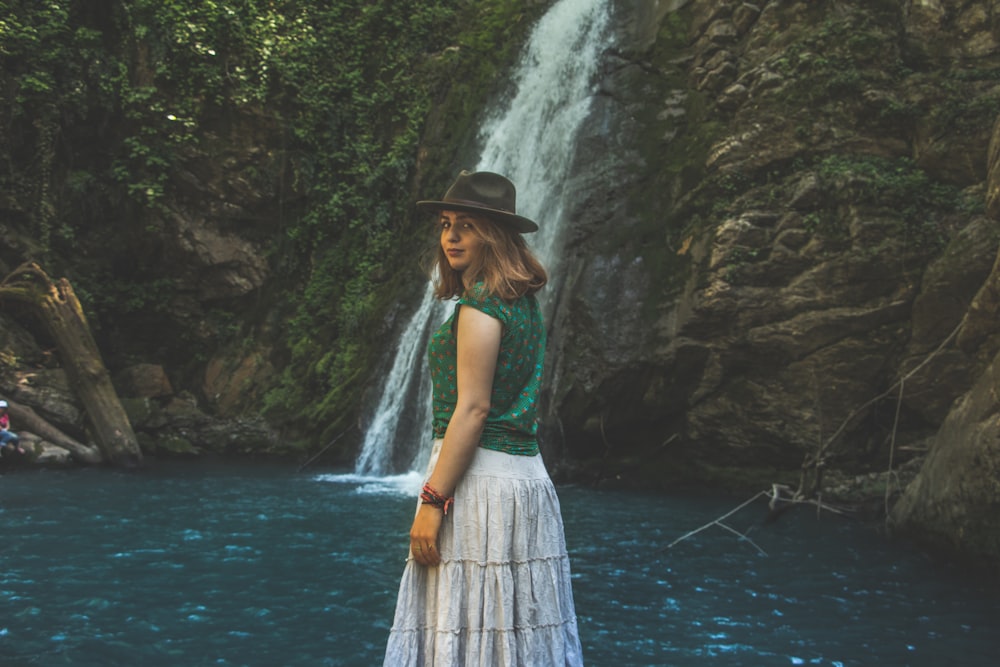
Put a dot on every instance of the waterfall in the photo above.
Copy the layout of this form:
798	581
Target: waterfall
531	140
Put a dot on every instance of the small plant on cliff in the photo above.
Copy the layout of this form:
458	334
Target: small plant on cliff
898	184
738	260
832	62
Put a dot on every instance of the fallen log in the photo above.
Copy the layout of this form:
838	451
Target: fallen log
26	419
60	311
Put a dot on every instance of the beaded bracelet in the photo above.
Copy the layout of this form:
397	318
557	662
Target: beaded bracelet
428	496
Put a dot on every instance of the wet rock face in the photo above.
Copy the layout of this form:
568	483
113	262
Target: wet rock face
993	176
785	208
791	257
951	506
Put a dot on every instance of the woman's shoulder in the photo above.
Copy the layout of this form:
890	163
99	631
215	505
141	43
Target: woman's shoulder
481	298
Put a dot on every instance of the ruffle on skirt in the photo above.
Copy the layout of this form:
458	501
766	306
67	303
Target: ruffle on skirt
502	595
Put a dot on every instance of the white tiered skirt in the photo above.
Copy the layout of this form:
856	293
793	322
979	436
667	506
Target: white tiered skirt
502	595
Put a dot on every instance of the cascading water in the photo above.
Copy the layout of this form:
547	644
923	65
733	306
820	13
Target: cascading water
532	141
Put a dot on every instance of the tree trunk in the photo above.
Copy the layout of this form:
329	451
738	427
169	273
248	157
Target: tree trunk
59	309
26	419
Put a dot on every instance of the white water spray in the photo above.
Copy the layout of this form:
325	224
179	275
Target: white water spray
532	141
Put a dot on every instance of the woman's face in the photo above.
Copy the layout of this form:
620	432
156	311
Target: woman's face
459	240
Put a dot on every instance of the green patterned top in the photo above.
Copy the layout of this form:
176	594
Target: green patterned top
511	424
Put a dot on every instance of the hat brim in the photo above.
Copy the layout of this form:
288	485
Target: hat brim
518	222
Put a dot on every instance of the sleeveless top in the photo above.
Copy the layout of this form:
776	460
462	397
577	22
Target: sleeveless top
511	424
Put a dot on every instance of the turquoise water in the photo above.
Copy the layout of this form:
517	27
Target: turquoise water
186	564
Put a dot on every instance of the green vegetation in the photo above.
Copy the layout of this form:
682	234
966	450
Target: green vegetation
898	185
963	108
833	61
851	60
108	106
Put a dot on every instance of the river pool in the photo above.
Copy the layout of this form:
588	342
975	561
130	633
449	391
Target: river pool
240	564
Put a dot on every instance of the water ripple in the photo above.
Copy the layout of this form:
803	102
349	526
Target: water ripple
246	566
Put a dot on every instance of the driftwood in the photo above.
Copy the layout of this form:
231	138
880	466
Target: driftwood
27	419
720	522
56	305
780	498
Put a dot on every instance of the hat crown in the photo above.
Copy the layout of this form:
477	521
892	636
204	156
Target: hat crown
485	189
485	193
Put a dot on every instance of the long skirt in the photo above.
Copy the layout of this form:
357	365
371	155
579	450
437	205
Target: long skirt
501	596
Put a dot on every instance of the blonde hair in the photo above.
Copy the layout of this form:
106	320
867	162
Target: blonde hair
506	266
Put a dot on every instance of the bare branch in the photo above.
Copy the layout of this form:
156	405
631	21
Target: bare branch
892	446
718	522
742	536
798	499
775	496
829	441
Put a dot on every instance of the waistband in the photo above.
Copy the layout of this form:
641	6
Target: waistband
491	463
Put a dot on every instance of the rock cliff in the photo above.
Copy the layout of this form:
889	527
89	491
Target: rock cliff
773	279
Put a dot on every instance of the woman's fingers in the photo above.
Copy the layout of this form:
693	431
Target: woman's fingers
425	553
424	535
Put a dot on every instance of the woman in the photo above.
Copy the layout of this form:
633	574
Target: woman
487	581
9	441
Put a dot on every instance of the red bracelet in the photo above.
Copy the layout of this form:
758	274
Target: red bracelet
428	496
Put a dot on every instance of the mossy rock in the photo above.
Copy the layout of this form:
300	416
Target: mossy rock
175	445
138	410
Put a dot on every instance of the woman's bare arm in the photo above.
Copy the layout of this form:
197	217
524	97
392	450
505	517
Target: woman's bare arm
478	340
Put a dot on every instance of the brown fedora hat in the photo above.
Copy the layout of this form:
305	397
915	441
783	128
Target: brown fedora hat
482	192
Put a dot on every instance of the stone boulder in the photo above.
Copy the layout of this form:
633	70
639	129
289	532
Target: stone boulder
46	454
235	380
179	427
953	505
220	264
143	381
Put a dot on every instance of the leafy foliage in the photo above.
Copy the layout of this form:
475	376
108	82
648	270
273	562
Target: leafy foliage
108	104
899	184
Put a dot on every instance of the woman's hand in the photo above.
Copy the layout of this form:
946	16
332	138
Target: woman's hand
424	535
